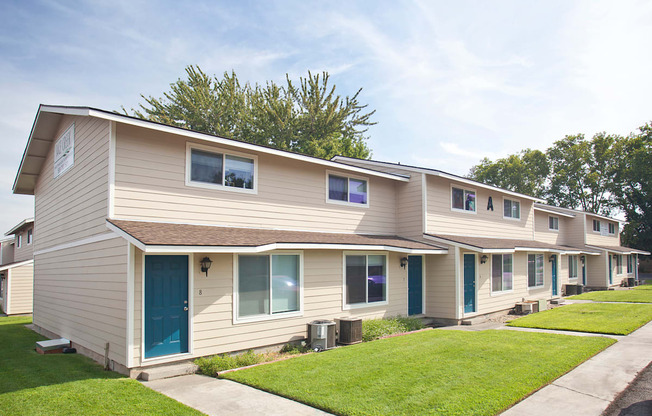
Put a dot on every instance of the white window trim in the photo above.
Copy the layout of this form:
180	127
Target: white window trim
270	316
512	200
191	303
19	240
491	269
619	265
30	237
553	229
609	225
543	279
224	152
465	190
348	177
577	267
346	306
593	228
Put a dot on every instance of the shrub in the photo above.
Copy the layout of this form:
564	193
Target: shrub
213	365
292	349
378	328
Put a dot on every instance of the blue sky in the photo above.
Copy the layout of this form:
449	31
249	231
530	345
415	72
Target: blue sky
452	82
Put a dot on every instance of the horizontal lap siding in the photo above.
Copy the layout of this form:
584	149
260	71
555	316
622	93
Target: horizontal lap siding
7	252
81	292
543	233
22	289
213	328
595	238
443	220
25	251
74	205
488	302
440	285
150	185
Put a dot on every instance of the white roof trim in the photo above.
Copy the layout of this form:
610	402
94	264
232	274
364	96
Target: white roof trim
267	247
20	224
11	266
561	214
439	173
631	250
470	247
119	118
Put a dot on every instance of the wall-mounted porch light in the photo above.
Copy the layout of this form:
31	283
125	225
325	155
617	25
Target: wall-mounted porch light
483	259
551	258
404	262
205	265
583	259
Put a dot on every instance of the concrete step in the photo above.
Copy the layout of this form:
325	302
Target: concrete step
475	320
168	371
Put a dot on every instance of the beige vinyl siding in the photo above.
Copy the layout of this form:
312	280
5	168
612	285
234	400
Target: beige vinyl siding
594	238
597	271
564	270
488	302
22	289
7	252
213	330
150	185
74	205
81	294
443	220
543	233
5	284
25	251
574	234
440	285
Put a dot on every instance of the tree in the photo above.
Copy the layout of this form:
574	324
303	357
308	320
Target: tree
525	172
632	186
581	173
308	117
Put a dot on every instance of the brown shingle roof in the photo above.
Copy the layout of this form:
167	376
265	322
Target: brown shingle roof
165	234
508	244
621	249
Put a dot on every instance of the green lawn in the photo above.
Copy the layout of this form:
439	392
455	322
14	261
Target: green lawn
57	384
639	294
603	318
429	372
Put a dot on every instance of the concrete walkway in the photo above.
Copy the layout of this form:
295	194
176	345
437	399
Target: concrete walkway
593	385
228	398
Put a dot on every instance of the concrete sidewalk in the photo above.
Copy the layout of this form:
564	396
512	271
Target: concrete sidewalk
593	385
228	398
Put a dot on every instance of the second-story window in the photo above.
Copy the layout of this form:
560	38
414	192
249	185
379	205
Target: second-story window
220	170
512	209
347	190
596	226
29	236
612	228
553	223
18	240
463	199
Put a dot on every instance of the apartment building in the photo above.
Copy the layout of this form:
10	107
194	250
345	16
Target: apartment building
17	269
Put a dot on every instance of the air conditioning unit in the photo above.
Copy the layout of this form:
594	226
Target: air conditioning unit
350	331
321	335
524	308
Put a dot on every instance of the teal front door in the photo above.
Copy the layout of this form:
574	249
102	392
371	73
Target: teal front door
469	283
554	275
611	277
415	285
166	305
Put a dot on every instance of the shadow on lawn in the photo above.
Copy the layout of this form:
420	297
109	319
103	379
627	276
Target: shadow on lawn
21	367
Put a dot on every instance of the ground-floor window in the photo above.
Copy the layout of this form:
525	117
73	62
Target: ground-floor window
619	264
630	264
365	279
501	272
268	284
572	267
535	270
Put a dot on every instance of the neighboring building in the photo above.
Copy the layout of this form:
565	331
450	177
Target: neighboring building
17	269
160	244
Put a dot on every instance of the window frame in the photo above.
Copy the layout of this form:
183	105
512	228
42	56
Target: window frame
502	264
30	236
630	264
599	226
217	150
553	217
577	266
271	316
465	190
511	200
611	225
19	240
366	304
348	193
619	264
543	271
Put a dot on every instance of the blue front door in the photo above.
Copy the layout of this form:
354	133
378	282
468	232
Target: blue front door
611	278
554	275
166	305
469	283
415	285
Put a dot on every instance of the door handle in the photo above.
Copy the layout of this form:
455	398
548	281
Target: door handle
185	308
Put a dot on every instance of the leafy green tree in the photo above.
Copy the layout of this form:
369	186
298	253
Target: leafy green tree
632	187
525	172
308	117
